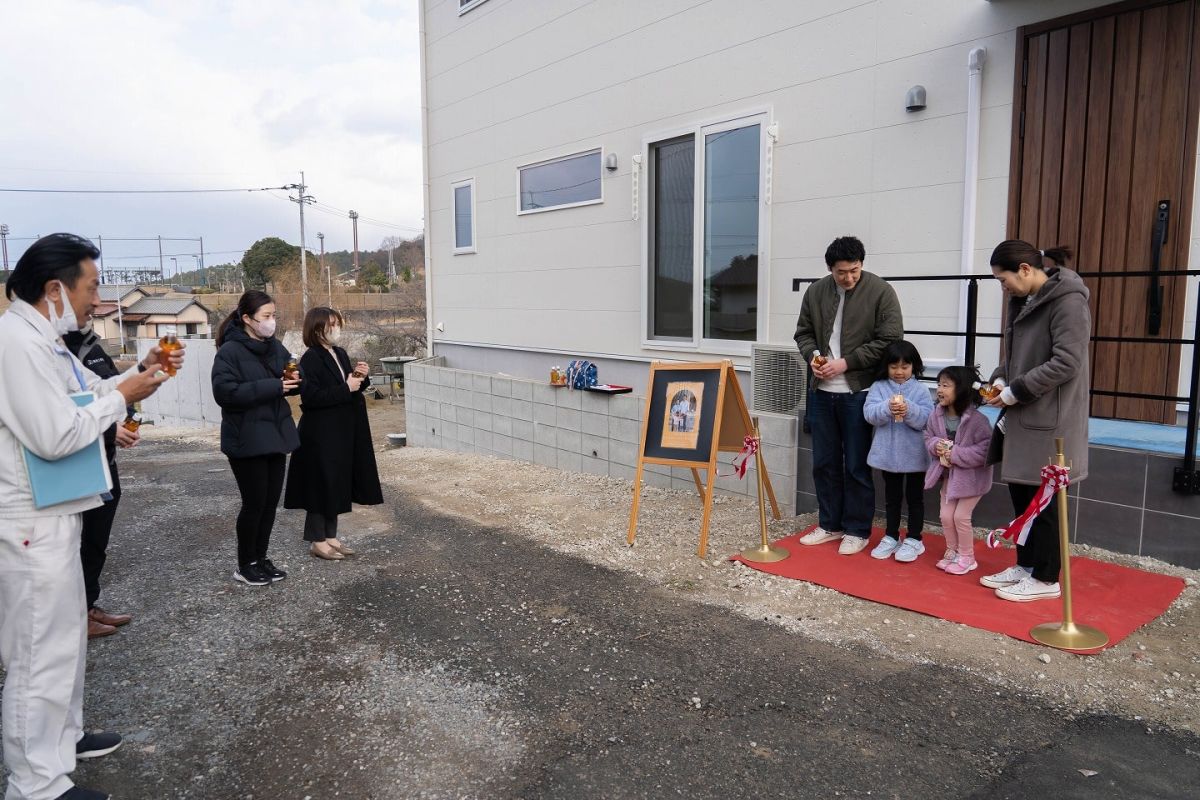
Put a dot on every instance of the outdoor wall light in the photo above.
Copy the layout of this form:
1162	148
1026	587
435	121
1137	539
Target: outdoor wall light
915	99
610	162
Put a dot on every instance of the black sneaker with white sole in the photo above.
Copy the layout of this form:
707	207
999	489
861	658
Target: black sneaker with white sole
94	745
251	575
271	571
80	793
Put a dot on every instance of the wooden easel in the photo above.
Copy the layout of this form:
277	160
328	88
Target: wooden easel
731	426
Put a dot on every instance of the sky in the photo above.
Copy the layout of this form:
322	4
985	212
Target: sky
163	94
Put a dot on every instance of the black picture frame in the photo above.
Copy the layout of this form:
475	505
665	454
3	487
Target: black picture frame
702	452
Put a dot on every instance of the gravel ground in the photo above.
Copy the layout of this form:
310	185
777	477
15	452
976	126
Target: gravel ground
495	639
1153	676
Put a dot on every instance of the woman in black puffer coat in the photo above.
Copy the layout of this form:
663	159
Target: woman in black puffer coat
257	431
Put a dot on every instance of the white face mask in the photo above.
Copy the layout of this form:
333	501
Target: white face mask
334	335
264	328
67	322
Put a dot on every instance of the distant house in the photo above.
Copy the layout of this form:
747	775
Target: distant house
143	313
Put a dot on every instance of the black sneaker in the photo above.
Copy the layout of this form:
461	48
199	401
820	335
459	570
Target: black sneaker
251	575
271	571
94	745
80	793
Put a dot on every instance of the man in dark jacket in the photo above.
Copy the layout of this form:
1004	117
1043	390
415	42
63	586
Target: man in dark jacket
849	317
97	523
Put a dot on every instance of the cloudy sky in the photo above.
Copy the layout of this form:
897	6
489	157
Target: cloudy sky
165	94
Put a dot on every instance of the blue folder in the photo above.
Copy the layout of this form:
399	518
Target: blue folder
81	474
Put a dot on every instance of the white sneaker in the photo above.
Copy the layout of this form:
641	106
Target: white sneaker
910	550
851	545
887	545
1029	589
1009	577
820	536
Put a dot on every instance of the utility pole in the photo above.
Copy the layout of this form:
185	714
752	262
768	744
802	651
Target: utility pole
328	279
4	244
391	266
302	200
202	267
354	220
174	266
160	260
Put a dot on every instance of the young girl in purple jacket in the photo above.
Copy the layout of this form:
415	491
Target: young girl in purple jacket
957	438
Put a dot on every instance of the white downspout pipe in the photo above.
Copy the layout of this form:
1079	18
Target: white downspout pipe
422	8
975	61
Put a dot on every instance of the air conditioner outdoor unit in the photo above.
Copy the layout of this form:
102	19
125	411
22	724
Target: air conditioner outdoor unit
780	379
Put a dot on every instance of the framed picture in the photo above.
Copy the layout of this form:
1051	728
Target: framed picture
682	416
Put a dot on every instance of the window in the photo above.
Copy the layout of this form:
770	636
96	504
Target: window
466	5
704	234
562	183
463	208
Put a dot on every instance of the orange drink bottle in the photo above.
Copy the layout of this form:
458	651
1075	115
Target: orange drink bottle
897	398
818	359
169	343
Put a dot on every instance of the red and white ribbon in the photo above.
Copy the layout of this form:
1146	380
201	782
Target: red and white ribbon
1054	478
742	460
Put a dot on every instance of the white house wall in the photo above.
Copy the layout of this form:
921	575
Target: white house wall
517	81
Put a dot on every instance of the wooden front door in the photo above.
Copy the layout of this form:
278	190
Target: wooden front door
1105	118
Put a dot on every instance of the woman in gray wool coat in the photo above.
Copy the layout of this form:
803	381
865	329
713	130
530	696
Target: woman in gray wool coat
1046	380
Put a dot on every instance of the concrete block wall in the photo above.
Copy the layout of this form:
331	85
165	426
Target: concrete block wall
525	420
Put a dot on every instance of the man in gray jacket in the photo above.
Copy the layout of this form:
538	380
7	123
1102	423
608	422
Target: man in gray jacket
849	317
43	614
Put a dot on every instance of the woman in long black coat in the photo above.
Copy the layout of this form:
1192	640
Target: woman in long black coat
335	464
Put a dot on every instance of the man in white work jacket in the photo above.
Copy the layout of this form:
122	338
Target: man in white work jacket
54	289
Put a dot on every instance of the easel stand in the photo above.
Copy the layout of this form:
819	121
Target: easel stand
731	426
1067	635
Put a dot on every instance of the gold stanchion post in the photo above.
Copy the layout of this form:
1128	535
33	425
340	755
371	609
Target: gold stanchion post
764	553
1067	635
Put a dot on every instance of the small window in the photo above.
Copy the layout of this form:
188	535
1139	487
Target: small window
464	216
562	183
466	5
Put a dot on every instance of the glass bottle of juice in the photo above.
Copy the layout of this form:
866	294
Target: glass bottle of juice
169	343
292	371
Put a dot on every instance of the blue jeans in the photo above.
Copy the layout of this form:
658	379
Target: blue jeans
841	439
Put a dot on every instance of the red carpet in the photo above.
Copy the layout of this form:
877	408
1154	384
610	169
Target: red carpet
1117	600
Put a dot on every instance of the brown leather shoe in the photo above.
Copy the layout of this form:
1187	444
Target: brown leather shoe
99	629
105	618
341	547
327	553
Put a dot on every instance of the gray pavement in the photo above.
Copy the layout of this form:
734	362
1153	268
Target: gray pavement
454	661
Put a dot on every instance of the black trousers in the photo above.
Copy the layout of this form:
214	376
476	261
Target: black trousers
1041	551
93	541
318	527
260	480
899	487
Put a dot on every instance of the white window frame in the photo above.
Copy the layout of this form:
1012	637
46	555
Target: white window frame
459	251
462	9
566	157
699	130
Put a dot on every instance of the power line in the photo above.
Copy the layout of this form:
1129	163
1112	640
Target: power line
138	191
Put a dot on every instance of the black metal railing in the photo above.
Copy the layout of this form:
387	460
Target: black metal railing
1187	477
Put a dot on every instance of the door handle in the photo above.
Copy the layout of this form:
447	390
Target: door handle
1162	217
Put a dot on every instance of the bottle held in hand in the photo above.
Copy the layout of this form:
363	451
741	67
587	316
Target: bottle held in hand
818	359
897	398
169	343
292	371
132	422
989	392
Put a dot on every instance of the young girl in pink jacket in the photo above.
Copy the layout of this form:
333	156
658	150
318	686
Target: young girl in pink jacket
957	438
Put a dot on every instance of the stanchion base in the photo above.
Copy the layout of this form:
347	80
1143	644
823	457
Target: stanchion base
764	555
1069	636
